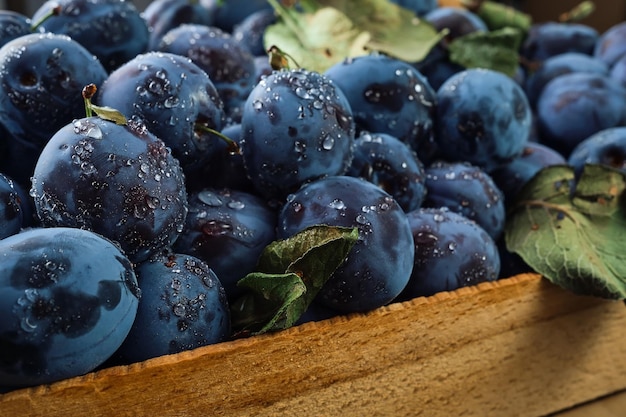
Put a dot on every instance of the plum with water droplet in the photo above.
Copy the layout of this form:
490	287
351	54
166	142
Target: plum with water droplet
117	180
468	190
183	306
13	210
68	298
391	164
227	229
451	251
229	64
174	98
297	126
379	265
13	25
389	96
112	30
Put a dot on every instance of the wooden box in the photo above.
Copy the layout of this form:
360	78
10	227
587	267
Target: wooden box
516	347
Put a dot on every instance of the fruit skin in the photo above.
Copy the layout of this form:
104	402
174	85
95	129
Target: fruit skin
161	16
297	126
458	21
558	65
467	190
112	30
183	306
451	252
229	65
547	39
483	117
389	96
68	298
607	147
611	45
41	80
230	13
12	211
574	106
13	25
392	165
378	267
420	7
510	178
227	229
173	97
249	32
118	180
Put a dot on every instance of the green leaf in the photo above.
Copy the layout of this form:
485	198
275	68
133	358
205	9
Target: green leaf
498	16
573	233
110	114
288	276
337	30
496	50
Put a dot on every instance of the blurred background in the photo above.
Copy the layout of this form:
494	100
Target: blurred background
608	12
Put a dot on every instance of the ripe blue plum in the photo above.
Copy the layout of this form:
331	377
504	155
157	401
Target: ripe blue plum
112	30
13	25
558	65
68	298
378	267
250	31
230	66
389	96
607	147
11	208
510	178
117	180
229	13
574	106
451	252
483	117
161	16
174	98
458	21
42	76
227	229
468	190
547	39
618	71
391	164
420	7
437	66
183	306
297	126
611	45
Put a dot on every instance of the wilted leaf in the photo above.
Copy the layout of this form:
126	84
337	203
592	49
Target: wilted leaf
573	236
498	16
289	275
110	114
496	50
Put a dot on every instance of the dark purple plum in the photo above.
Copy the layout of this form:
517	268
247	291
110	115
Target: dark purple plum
618	71
611	45
378	267
297	126
389	96
41	80
232	12
230	66
419	7
227	229
558	65
12	210
451	252
183	306
117	180
161	16
483	117
68	298
574	106
458	21
437	67
112	30
606	147
13	25
391	164
468	190
510	178
174	98
250	31
547	39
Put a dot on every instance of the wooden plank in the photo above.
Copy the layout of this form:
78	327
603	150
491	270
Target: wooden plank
610	406
516	347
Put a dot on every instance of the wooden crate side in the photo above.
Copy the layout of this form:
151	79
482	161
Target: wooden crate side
519	346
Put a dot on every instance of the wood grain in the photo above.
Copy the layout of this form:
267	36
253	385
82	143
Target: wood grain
516	347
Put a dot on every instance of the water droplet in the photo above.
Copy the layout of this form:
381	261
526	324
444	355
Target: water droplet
452	246
438	217
361	219
236	204
210	198
179	310
337	204
257	105
328	143
216	228
27	325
